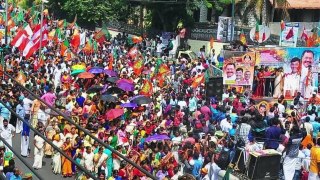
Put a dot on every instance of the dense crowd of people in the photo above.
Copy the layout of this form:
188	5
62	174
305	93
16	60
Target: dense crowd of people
172	130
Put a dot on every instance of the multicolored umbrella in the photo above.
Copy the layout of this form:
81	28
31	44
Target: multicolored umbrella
76	72
85	75
78	67
157	137
114	113
96	70
129	105
110	73
109	98
126	86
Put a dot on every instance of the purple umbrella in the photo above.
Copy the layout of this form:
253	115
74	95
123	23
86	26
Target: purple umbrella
129	105
110	73
157	137
126	86
104	89
96	70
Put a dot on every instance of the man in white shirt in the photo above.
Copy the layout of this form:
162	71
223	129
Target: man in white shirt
292	80
230	73
225	124
42	117
7	132
213	170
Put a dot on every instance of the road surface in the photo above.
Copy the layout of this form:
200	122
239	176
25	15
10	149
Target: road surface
46	165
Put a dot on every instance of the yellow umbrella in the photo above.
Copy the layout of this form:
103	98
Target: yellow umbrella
78	67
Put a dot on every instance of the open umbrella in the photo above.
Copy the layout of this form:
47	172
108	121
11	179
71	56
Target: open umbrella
142	100
109	98
96	70
126	86
125	81
114	113
76	72
114	90
157	137
110	73
94	88
129	105
112	79
78	67
134	97
85	75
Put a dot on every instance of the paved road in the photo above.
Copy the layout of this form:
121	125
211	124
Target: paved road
45	172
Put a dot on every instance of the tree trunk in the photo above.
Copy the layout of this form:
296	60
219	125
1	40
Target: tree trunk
273	10
141	16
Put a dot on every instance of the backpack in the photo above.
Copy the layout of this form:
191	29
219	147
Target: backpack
222	159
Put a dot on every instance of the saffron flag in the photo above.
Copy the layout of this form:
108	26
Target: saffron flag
146	88
211	42
243	38
64	47
102	35
197	81
52	34
88	48
138	66
163	69
257	31
290	34
304	35
111	59
75	39
21	78
73	23
282	25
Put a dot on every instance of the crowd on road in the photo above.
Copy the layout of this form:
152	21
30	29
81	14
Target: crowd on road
150	108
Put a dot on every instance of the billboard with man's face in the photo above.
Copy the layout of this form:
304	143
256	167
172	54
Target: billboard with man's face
238	68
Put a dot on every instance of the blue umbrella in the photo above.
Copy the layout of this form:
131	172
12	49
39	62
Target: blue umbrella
129	105
96	70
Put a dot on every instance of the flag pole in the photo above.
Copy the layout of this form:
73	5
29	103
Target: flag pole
6	28
41	24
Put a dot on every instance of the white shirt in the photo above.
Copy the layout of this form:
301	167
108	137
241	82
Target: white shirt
225	125
42	117
88	161
213	170
182	104
27	103
7	133
281	108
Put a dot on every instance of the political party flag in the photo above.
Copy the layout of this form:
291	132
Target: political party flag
304	35
73	23
138	66
282	25
146	88
64	47
111	59
211	42
102	35
290	34
264	35
75	39
21	77
133	52
243	38
197	81
52	34
163	69
88	48
257	31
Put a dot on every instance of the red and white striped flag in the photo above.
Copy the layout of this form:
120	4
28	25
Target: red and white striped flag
21	36
34	43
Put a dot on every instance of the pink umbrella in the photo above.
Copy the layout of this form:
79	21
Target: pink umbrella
125	81
114	113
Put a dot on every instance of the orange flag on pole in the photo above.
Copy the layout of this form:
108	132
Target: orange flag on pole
163	69
211	42
197	81
75	39
111	59
146	88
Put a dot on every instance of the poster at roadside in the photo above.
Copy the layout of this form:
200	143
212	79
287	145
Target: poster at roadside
224	29
289	36
300	68
2	34
238	68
